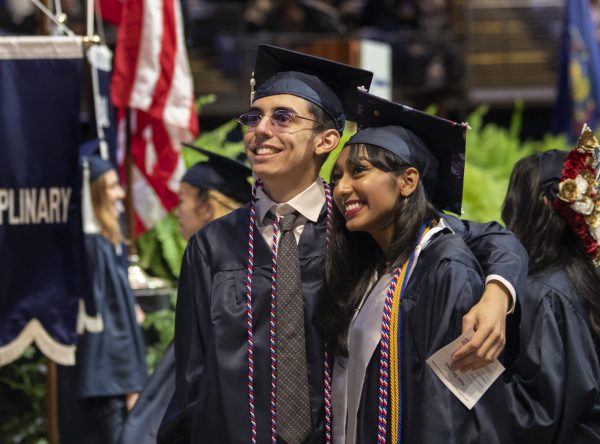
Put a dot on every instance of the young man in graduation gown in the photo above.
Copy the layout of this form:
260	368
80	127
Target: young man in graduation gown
208	190
231	386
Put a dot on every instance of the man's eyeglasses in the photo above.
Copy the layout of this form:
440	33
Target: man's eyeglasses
282	120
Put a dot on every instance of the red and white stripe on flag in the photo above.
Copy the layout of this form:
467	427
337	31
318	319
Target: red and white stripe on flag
110	10
152	75
157	167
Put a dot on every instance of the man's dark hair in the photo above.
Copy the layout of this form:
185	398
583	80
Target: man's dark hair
324	120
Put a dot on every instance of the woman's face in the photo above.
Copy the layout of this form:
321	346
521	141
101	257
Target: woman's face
114	192
191	212
366	196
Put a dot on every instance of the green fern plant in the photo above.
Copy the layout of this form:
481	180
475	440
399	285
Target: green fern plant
160	324
492	152
22	399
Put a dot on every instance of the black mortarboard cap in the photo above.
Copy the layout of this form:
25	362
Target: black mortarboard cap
92	167
220	173
551	166
330	85
435	146
90	151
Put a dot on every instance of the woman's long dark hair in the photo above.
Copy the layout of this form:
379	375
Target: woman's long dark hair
547	236
354	257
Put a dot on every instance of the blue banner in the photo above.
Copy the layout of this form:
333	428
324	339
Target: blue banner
40	216
578	97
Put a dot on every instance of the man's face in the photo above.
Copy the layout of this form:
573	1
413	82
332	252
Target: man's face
283	157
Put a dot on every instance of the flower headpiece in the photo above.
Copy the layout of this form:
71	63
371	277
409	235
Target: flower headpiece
578	198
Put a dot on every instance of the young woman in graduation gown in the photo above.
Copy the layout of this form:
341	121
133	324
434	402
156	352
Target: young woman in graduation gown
110	367
399	283
554	385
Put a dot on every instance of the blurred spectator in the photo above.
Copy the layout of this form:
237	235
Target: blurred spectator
315	16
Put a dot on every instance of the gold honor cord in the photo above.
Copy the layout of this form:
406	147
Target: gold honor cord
395	348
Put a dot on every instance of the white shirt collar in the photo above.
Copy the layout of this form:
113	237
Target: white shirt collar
308	203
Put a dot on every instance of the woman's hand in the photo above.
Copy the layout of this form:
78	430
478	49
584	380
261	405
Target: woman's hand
488	319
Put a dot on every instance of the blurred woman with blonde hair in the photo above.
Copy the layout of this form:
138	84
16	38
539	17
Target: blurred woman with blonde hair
110	368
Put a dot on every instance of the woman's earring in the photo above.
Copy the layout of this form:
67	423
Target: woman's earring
404	201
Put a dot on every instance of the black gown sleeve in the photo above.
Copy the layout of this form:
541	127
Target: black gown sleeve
553	394
434	413
191	336
110	362
497	250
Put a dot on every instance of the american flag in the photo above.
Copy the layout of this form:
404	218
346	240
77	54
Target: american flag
152	77
110	10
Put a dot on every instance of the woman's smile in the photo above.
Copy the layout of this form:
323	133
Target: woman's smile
352	208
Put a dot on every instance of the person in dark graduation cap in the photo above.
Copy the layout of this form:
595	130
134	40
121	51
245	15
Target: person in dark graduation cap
251	362
399	282
553	207
110	368
208	190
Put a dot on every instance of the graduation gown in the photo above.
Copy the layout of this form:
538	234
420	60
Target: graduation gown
143	420
210	404
554	390
497	250
499	253
110	362
445	283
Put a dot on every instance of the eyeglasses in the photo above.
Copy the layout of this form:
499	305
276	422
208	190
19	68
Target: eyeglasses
281	119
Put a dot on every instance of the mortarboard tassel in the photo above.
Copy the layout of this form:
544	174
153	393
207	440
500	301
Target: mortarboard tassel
90	222
103	149
252	88
91	225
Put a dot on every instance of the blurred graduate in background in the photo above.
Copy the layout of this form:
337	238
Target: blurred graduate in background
553	207
110	370
210	190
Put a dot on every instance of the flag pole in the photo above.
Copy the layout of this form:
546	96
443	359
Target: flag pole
129	212
90	18
52	402
51	372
